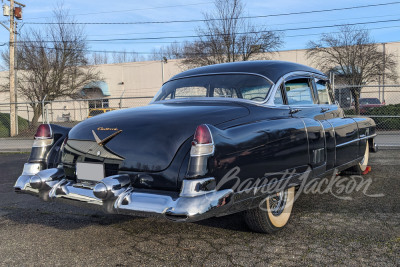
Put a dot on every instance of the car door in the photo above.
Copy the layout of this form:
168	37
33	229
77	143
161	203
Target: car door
325	103
345	128
303	104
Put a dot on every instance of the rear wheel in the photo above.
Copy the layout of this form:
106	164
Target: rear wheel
362	165
273	214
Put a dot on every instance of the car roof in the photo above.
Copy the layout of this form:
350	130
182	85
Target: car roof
272	69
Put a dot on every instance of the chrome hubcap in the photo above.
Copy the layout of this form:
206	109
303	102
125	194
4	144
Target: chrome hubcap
277	203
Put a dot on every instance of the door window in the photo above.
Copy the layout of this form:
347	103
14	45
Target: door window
278	100
298	92
322	91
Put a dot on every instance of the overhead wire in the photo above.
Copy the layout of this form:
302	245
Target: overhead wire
216	19
240	33
263	25
129	10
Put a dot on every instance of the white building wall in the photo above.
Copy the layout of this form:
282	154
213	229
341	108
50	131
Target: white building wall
143	79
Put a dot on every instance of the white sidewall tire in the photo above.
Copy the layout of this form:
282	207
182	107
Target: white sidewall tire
364	162
282	219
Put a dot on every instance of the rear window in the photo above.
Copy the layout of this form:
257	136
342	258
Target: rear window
244	86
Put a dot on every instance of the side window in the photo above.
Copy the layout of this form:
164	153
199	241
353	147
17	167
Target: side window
256	93
225	92
195	91
322	90
278	100
298	92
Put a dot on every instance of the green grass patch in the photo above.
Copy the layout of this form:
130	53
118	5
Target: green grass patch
5	124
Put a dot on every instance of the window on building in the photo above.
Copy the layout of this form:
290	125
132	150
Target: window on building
99	103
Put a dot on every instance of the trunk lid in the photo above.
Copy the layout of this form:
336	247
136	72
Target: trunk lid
147	138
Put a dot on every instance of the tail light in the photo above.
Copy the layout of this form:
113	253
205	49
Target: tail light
43	136
202	143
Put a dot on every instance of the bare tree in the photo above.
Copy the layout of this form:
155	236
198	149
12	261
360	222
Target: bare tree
172	51
97	58
228	36
52	62
354	57
124	56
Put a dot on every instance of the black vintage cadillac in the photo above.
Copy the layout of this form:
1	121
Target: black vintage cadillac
216	140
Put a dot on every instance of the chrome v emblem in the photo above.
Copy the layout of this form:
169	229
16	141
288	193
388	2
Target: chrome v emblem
105	140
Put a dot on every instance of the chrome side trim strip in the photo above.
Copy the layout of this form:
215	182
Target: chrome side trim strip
356	140
368	137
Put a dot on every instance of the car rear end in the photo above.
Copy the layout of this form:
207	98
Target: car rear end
101	184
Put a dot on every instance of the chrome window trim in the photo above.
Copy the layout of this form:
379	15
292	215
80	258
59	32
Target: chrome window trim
221	73
270	100
224	73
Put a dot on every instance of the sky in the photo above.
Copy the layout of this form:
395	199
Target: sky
295	36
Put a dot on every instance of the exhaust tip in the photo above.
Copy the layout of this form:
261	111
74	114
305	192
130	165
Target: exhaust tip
17	189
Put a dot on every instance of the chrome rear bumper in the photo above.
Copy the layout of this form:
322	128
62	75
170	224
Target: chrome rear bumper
197	200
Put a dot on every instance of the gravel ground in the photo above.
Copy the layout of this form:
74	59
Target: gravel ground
323	230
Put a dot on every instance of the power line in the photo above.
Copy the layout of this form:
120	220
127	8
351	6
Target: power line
241	33
264	25
129	10
310	34
203	20
148	53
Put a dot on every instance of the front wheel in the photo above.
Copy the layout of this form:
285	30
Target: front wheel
272	214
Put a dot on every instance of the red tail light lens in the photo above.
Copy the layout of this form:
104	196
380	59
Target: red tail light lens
43	136
43	131
202	135
202	144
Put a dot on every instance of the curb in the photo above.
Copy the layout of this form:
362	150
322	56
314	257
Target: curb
388	147
19	150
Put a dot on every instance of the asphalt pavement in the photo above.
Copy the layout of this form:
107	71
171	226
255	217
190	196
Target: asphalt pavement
324	229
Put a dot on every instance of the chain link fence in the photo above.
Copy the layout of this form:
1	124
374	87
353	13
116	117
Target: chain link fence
381	103
62	112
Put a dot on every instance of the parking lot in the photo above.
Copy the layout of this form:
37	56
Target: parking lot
323	229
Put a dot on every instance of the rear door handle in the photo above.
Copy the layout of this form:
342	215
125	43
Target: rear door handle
294	110
324	110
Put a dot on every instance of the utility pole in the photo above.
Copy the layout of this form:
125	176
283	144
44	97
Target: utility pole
383	73
15	77
163	61
13	110
13	13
